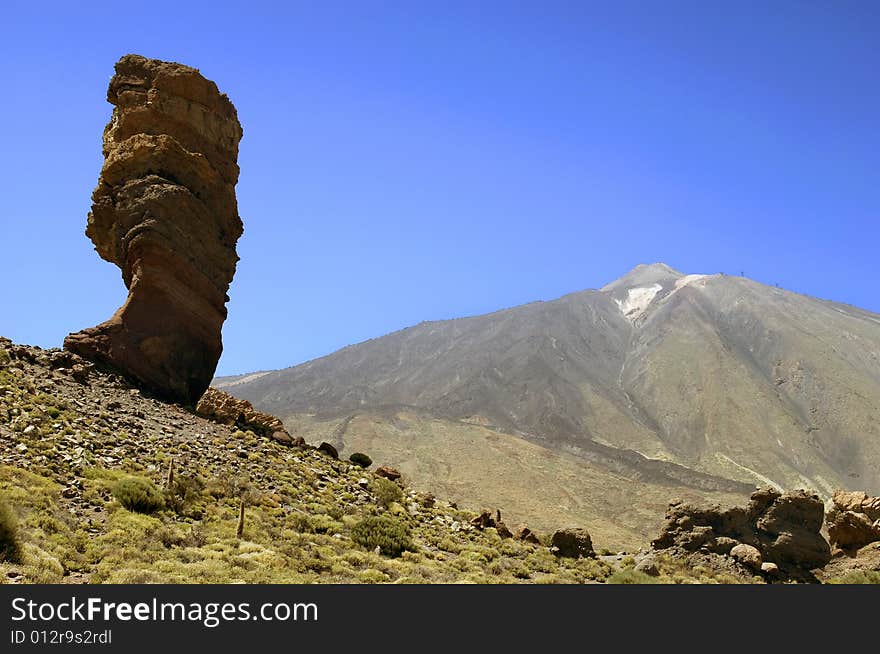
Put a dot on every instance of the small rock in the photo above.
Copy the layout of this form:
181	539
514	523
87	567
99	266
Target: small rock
769	568
329	450
747	555
502	530
281	436
388	473
29	429
523	533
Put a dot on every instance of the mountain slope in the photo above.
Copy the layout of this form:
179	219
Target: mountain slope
705	382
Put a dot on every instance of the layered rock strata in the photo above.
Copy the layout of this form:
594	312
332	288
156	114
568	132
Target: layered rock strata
165	212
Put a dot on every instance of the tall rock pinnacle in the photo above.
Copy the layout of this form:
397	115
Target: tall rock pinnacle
165	212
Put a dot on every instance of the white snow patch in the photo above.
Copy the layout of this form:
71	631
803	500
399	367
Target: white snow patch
637	300
687	279
241	380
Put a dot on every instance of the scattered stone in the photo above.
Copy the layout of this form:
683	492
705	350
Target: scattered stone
80	372
228	410
484	520
574	542
329	450
165	212
388	473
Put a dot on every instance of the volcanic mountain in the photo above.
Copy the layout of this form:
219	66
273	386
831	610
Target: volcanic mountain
601	405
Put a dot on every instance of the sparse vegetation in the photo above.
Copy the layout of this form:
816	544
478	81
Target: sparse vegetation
858	577
138	494
631	576
10	549
386	492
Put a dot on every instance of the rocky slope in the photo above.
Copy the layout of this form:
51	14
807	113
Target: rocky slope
70	431
165	212
71	434
709	383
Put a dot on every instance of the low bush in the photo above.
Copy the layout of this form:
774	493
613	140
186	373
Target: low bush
631	576
390	535
10	548
138	494
858	577
386	492
361	459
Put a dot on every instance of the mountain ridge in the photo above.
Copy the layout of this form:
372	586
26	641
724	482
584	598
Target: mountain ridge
718	375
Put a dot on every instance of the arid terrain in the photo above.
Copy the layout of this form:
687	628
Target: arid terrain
602	405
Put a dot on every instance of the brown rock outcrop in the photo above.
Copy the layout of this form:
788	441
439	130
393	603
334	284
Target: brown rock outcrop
853	520
165	212
228	410
522	532
574	542
389	473
782	527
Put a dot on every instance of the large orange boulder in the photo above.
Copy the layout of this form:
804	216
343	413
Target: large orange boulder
165	212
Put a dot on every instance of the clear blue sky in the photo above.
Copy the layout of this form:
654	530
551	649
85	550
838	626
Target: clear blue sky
425	160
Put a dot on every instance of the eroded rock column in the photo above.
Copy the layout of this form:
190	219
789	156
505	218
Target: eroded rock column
165	212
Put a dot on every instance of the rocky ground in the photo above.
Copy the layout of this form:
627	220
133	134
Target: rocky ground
70	432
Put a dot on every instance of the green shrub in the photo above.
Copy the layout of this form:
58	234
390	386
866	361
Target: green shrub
183	491
138	494
858	577
390	535
361	459
386	492
631	576
10	549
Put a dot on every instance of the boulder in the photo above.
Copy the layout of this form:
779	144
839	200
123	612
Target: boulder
853	520
783	528
165	212
329	450
523	533
388	473
748	555
572	543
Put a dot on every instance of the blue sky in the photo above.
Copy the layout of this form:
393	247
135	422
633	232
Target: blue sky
424	160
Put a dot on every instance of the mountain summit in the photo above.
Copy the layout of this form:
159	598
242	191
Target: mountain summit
711	383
